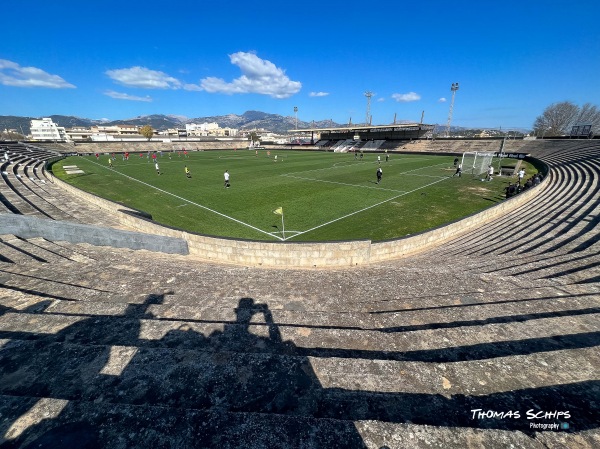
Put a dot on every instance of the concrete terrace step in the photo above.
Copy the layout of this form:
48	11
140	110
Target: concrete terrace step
139	426
13	251
32	248
394	315
451	341
30	191
288	384
51	421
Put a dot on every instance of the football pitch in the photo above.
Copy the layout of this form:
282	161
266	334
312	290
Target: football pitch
323	196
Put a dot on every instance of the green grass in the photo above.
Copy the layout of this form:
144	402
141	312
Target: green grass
325	196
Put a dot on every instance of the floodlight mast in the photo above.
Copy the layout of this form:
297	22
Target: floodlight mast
368	94
453	88
296	112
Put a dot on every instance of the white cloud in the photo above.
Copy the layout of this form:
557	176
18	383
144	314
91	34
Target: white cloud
144	78
193	87
406	98
122	96
318	94
381	99
259	76
442	100
12	74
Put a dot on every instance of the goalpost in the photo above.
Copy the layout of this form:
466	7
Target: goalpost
476	163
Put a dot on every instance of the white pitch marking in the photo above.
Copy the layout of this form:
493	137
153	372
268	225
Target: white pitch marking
343	183
369	207
188	201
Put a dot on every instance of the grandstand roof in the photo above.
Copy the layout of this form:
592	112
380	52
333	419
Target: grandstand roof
391	127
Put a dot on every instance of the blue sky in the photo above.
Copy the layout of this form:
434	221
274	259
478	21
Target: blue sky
120	60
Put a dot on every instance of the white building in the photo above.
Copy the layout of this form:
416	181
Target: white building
205	129
46	129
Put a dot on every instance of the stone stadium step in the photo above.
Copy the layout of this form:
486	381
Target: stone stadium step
531	266
42	421
17	202
30	191
63	249
88	424
274	387
12	250
441	342
34	250
124	374
544	266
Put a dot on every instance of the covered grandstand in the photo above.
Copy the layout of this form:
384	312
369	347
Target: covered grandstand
366	137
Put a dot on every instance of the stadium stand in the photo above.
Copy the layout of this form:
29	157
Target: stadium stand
114	348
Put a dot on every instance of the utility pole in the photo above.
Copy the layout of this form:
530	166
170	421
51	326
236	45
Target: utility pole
368	94
453	88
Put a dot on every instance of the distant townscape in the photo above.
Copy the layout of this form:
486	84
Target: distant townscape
272	127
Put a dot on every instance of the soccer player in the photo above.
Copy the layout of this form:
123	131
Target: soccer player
226	176
379	174
521	175
379	160
187	172
110	162
157	168
490	172
458	171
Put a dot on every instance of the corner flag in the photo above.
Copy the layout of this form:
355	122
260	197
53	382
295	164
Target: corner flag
279	211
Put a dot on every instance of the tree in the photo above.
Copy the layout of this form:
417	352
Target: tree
254	138
589	115
147	131
558	119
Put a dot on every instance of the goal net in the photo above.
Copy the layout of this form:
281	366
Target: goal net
476	163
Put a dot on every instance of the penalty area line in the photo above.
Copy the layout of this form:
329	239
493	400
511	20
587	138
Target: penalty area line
367	208
190	202
344	184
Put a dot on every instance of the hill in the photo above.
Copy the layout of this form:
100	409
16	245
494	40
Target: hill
249	120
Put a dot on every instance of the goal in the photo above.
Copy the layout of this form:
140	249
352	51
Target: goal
476	163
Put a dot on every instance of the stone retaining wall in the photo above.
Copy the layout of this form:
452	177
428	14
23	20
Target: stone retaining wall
30	227
308	255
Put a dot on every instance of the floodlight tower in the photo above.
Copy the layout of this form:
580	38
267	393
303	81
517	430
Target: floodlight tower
296	112
453	88
368	94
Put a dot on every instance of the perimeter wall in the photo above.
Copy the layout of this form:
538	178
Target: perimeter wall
307	255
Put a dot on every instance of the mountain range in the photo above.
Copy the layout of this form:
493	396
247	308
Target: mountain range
248	120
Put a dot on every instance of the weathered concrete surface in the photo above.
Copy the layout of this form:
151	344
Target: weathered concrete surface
28	227
138	349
